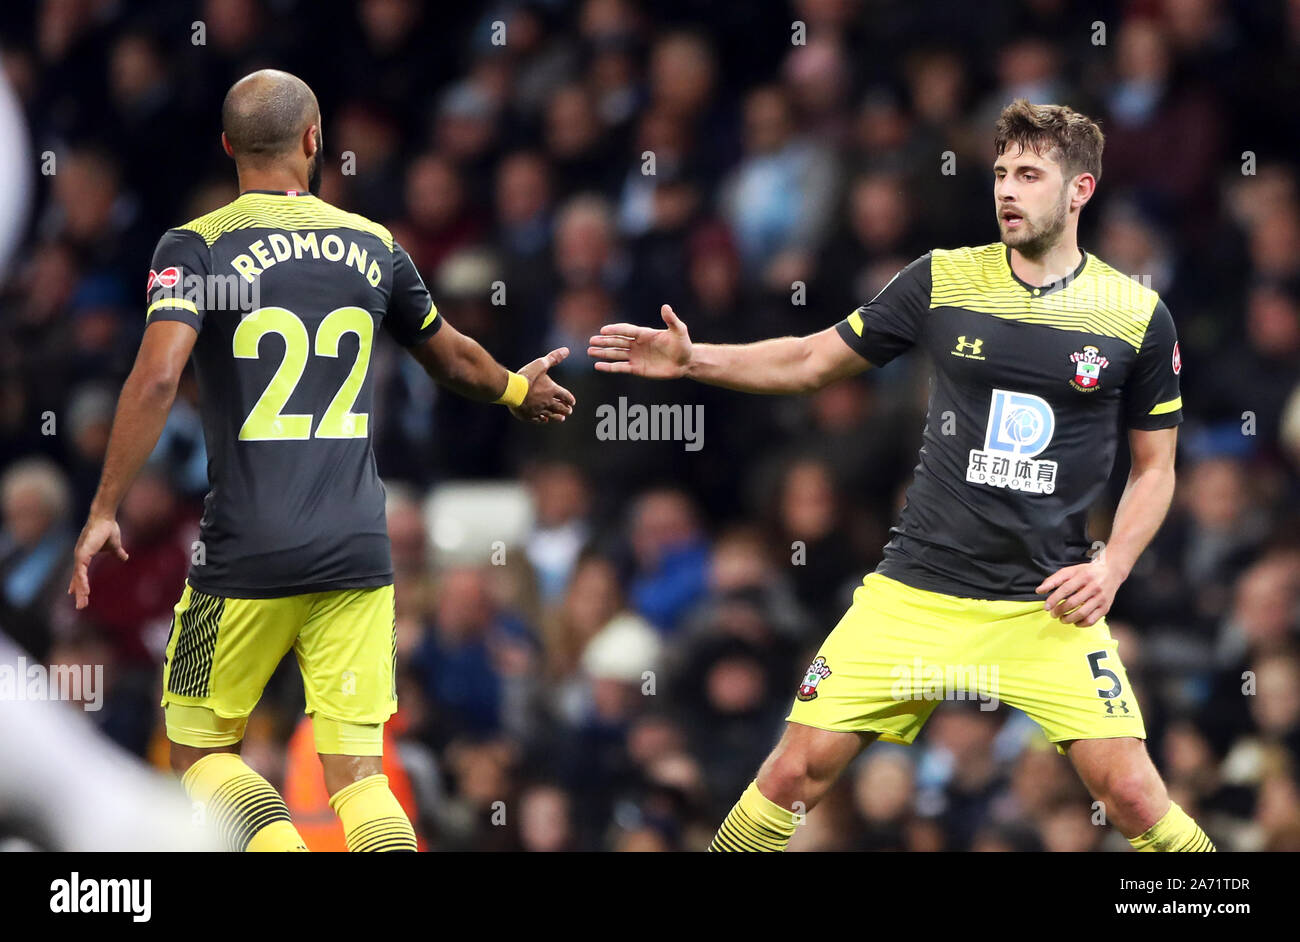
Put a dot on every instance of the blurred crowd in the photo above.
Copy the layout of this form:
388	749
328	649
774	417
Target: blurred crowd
617	683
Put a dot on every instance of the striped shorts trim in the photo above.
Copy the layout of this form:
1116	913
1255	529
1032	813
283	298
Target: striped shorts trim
190	672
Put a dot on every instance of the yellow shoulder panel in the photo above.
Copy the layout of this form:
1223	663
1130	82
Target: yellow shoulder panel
967	272
1100	300
292	213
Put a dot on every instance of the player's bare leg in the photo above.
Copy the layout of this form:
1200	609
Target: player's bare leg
796	775
806	762
373	819
342	771
182	757
1120	774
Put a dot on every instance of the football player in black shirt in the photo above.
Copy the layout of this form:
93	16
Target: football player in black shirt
1040	352
279	296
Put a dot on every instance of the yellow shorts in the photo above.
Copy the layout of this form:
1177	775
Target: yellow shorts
221	652
898	652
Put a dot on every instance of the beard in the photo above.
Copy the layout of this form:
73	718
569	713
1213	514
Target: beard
1035	237
314	170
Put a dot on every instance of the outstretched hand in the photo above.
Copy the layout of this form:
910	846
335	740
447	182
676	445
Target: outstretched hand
643	351
547	401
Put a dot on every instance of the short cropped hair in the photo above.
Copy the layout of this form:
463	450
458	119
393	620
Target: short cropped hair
265	113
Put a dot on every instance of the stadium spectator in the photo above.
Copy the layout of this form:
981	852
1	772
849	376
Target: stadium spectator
36	504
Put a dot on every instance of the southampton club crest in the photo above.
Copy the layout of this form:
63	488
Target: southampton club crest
1088	364
817	672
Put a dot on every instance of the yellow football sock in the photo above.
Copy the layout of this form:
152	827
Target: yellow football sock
373	820
246	811
755	824
1176	831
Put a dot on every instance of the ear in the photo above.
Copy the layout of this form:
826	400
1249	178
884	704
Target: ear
309	140
225	145
1085	184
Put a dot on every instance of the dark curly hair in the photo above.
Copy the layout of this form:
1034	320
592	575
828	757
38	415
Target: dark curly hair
1056	131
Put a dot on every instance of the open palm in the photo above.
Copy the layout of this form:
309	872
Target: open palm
643	351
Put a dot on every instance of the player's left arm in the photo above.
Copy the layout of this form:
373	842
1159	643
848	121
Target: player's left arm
460	363
1083	594
142	409
1153	407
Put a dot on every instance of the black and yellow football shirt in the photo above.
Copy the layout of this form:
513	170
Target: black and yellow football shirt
286	293
1032	385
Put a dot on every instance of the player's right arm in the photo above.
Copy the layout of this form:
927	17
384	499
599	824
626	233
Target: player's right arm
142	408
782	365
174	318
871	336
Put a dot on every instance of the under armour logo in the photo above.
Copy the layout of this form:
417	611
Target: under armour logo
964	348
1110	707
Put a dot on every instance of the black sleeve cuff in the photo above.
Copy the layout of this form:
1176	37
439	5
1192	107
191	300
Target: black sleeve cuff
423	334
857	344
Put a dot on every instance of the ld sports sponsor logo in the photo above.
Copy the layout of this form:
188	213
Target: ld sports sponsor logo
1020	426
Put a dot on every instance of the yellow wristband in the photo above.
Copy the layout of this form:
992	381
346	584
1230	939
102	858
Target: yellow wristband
516	390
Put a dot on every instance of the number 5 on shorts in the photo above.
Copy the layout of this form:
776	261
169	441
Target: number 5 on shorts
1098	672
